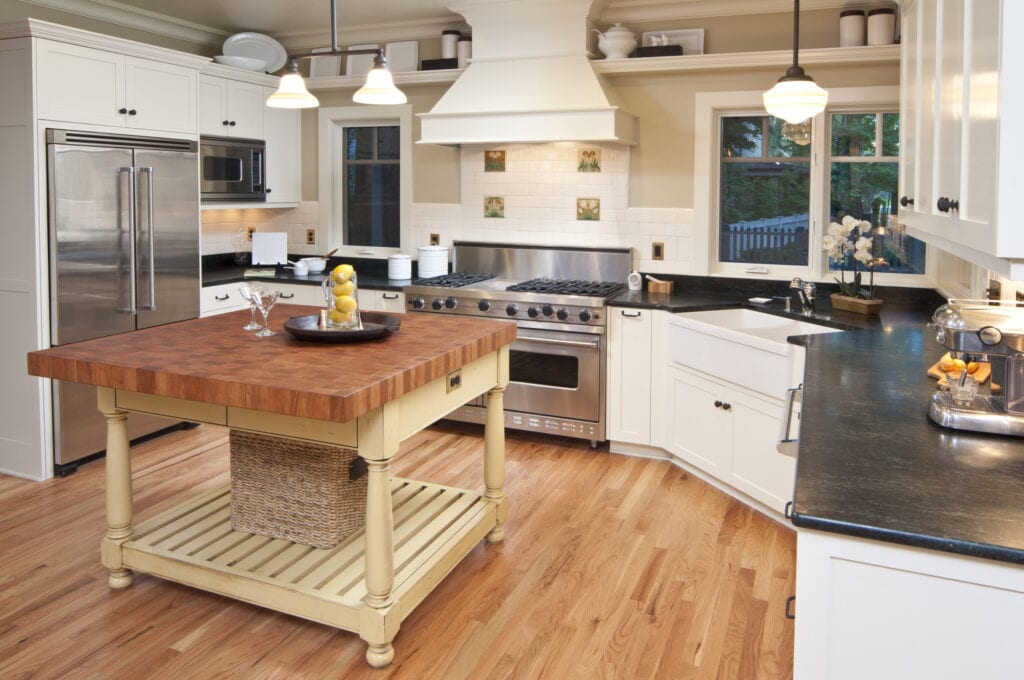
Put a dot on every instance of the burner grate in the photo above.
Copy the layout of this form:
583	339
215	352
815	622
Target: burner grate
453	280
568	287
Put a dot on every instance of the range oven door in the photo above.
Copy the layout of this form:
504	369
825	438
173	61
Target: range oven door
555	373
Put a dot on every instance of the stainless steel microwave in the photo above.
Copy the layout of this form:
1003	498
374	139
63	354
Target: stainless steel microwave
232	169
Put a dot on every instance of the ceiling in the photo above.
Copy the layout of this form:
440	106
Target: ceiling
306	23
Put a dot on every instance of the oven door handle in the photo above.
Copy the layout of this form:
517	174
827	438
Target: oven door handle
565	343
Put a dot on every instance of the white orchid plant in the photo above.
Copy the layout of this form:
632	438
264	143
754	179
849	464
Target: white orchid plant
839	241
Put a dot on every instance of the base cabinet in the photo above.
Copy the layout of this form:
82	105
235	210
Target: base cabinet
629	375
867	609
375	300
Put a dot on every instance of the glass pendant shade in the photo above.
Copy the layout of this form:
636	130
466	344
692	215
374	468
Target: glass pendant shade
379	87
794	101
292	94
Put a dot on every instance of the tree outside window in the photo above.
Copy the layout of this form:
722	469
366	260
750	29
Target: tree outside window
371	170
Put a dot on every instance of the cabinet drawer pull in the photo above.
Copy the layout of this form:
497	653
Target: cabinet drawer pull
790	614
286	296
390	296
219	298
630	315
225	122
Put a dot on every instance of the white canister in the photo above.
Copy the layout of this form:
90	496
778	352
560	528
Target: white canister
852	24
399	266
881	26
449	40
465	50
433	261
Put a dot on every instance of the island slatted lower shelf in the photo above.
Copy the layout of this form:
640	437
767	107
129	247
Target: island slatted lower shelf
194	544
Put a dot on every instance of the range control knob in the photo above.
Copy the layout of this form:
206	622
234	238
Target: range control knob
562	314
418	303
511	310
548	310
450	302
585	316
533	312
437	303
483	305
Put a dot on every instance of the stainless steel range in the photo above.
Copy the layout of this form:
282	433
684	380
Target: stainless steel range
557	297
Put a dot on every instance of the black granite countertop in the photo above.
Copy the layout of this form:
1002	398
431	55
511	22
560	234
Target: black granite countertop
873	465
220	269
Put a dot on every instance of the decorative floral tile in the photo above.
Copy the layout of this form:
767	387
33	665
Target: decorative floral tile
588	208
588	160
494	206
494	160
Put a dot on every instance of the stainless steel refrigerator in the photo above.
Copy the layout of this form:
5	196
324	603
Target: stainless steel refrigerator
124	254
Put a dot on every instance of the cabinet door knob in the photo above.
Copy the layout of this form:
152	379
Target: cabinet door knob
267	191
122	110
232	123
726	406
905	201
132	112
225	122
718	403
945	204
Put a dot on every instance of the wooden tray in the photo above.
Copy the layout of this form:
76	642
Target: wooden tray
375	326
981	375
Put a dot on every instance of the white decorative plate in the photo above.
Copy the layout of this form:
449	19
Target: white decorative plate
257	46
248	63
402	56
692	39
359	64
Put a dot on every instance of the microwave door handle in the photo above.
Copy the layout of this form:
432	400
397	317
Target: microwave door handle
554	341
257	170
152	248
132	292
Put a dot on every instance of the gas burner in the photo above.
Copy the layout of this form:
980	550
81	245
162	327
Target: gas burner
453	280
568	287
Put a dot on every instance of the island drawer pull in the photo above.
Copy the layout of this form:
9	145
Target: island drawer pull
219	298
390	296
286	296
790	614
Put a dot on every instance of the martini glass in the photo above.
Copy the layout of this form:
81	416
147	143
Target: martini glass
265	300
248	292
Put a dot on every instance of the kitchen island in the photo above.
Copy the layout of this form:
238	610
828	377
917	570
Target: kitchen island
367	397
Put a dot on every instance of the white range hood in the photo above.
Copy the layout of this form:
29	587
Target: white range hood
529	80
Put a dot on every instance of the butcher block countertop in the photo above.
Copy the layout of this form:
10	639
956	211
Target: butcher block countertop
213	360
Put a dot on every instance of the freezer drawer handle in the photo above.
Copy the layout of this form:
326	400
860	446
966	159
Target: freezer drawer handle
152	238
132	292
787	445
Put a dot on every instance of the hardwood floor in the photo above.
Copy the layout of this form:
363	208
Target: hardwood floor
612	567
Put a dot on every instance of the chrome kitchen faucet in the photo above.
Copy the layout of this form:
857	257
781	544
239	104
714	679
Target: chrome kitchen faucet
807	291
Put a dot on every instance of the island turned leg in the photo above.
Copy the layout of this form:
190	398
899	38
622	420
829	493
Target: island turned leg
118	490
494	459
380	562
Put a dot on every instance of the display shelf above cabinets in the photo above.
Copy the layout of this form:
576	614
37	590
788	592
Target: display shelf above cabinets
876	54
407	79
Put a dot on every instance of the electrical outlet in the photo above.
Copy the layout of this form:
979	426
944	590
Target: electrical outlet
657	251
435	239
311	237
251	230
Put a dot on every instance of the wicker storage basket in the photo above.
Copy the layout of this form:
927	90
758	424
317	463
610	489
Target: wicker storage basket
305	492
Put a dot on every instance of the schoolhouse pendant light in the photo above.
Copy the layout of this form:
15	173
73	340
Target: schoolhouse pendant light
796	97
379	87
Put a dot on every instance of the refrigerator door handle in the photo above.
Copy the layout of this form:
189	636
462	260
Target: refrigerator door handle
132	219
152	249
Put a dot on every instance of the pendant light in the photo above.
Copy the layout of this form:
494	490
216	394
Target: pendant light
378	89
796	97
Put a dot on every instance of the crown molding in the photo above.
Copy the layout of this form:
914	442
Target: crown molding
668	10
381	33
120	14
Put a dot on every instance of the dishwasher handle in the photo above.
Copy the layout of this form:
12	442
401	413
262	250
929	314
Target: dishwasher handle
788	445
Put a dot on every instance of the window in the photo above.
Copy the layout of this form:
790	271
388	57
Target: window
863	172
365	178
765	185
372	181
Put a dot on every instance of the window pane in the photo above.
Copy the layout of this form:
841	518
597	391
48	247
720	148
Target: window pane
782	136
764	213
359	143
371	205
387	143
890	134
853	134
867	191
742	137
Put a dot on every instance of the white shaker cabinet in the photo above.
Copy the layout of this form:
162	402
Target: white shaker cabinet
957	161
629	375
77	84
868	609
376	300
282	131
230	108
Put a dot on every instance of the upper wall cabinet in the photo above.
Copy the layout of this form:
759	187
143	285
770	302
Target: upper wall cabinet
956	174
84	85
282	130
230	108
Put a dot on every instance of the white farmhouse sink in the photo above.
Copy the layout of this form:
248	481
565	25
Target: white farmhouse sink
742	346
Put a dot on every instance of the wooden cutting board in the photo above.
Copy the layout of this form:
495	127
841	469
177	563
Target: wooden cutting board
981	375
